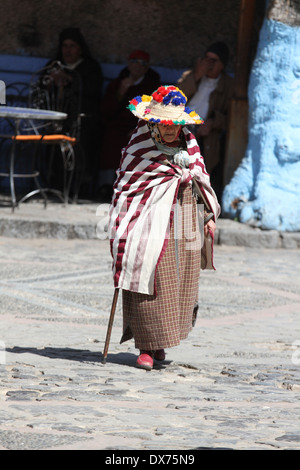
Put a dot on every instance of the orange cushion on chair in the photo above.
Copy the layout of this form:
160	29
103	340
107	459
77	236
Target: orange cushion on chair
52	138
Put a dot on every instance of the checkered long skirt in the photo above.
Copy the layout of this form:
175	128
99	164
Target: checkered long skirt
163	320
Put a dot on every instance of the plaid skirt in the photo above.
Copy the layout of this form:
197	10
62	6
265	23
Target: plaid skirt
161	321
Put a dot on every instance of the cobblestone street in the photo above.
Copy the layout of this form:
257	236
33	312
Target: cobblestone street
233	384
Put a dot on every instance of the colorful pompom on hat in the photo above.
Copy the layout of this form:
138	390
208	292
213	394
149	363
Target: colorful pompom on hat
165	106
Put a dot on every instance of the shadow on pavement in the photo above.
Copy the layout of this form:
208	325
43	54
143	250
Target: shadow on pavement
82	355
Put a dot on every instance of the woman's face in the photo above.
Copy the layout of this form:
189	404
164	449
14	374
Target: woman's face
169	133
71	51
137	68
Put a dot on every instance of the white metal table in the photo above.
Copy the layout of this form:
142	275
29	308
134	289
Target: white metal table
18	114
30	113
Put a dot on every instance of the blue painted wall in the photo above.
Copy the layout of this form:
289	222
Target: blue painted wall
265	189
14	68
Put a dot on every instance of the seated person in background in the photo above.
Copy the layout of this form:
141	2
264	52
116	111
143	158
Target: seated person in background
135	79
209	91
78	76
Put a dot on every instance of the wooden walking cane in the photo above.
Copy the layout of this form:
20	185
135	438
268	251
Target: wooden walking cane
110	324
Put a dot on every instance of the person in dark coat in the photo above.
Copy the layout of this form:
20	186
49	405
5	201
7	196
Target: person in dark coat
136	79
79	76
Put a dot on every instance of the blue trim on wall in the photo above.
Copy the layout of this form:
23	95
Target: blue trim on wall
14	68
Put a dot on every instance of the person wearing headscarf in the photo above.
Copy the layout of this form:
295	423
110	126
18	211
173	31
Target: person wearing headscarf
209	91
73	53
78	78
156	221
134	79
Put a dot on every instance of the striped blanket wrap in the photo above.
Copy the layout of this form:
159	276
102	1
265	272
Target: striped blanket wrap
142	207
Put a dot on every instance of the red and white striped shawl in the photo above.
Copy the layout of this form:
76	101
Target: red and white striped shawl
142	207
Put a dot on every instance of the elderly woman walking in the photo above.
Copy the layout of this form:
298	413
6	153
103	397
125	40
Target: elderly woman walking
155	227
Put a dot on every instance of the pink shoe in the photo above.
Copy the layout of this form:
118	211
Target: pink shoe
160	355
145	360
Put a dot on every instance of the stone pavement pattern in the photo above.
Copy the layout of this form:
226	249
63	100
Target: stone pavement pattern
233	384
87	220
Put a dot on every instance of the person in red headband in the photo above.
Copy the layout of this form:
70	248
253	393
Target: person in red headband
137	78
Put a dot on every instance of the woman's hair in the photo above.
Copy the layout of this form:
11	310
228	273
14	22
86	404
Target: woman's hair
75	35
